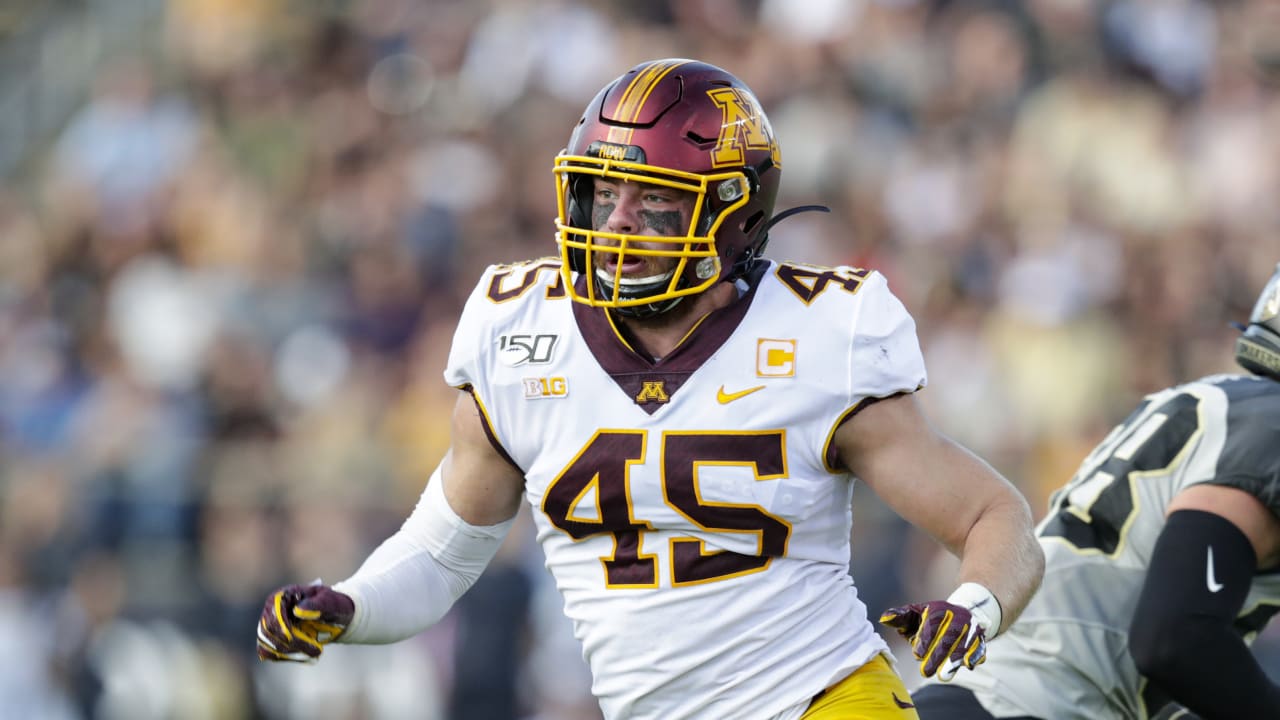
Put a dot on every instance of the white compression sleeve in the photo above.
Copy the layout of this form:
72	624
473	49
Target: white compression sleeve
414	577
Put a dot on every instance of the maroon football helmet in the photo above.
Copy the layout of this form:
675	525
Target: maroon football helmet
674	123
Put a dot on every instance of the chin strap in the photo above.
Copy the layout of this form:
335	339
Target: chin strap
744	264
793	211
644	312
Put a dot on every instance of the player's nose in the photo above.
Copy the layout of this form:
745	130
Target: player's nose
625	216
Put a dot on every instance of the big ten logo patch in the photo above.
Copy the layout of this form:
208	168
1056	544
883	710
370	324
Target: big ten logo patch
537	388
775	358
518	349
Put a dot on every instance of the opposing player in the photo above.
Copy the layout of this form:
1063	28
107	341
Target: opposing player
686	419
1162	556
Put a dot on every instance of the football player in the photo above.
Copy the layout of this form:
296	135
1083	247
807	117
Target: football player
686	420
1162	556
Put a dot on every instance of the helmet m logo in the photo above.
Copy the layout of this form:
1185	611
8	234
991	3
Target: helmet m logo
743	127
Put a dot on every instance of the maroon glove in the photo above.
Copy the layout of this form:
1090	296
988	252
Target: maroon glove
298	621
943	636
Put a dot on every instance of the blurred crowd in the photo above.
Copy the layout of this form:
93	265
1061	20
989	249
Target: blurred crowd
235	236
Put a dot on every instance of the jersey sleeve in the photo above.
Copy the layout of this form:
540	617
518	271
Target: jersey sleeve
464	367
1249	461
885	353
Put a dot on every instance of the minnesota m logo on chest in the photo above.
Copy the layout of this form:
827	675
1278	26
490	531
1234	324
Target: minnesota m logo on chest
652	391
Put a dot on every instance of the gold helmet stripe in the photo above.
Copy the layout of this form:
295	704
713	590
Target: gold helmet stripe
635	96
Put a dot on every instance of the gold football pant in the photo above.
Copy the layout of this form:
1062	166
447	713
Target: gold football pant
874	692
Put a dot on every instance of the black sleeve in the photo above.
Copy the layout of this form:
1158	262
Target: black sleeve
1182	637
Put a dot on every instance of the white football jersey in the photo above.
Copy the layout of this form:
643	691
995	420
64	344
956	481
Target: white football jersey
1067	656
689	509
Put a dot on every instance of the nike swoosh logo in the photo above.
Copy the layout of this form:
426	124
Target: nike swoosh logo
1214	586
901	703
725	398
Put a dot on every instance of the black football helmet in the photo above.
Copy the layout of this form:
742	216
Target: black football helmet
681	124
1258	348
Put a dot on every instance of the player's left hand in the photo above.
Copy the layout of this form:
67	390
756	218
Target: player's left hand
299	620
943	636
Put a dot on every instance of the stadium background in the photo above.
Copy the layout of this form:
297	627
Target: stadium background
235	236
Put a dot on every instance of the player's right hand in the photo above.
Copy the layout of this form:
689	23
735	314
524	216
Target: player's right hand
944	637
299	620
